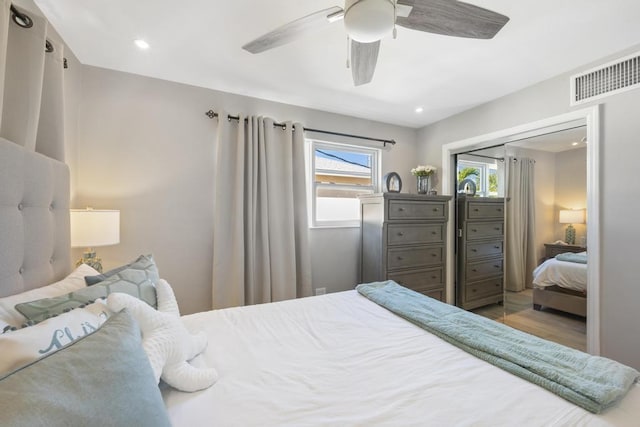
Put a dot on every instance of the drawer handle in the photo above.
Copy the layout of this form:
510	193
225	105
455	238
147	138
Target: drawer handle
474	250
434	233
473	290
400	233
497	285
400	258
435	209
434	255
496	266
499	209
496	247
401	209
433	277
474	270
497	228
476	210
474	230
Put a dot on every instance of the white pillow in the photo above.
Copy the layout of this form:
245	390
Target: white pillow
72	282
25	345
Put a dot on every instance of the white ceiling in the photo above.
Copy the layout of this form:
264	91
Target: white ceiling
198	42
556	142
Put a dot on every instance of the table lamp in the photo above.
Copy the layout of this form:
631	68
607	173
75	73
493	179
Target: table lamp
91	228
570	217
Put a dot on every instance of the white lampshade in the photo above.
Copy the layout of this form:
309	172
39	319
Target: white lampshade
572	216
93	227
367	21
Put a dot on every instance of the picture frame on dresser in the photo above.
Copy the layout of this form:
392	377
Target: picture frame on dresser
403	238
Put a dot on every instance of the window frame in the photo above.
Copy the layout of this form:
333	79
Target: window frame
484	169
313	186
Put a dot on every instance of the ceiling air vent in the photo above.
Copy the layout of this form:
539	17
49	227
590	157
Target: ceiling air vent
614	77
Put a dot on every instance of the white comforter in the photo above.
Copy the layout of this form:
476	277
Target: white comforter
341	360
568	275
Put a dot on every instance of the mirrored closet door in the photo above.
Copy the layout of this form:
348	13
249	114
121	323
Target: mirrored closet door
540	185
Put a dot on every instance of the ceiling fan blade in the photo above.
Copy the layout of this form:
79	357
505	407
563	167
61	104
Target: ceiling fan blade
294	29
452	18
364	57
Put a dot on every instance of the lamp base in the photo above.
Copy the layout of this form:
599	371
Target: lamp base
89	257
570	235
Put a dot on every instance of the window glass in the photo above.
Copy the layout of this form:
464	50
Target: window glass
339	173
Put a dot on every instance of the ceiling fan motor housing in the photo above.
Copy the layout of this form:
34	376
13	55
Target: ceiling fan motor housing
367	21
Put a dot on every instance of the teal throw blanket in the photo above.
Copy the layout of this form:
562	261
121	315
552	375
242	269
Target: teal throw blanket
591	382
580	258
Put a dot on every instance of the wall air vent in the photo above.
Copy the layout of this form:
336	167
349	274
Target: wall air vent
614	77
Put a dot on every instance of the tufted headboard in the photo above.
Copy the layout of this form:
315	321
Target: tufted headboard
34	219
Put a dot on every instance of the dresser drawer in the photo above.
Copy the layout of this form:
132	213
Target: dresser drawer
414	257
409	209
483	249
433	293
481	269
401	234
484	230
485	210
483	289
418	279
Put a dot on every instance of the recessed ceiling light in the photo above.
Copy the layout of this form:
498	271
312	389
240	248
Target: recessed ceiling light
574	143
141	44
419	110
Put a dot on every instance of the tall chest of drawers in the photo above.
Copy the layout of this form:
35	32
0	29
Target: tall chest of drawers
404	239
480	251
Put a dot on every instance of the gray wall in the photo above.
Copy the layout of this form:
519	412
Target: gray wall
571	189
145	147
618	158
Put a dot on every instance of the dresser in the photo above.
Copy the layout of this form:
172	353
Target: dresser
480	251
404	240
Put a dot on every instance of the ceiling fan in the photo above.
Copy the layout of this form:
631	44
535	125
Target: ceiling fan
368	21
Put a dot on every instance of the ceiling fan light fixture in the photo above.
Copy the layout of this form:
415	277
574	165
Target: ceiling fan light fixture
367	21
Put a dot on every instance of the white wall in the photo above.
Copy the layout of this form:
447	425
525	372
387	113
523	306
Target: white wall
618	156
145	147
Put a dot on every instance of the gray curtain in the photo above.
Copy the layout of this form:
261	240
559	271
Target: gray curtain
520	257
31	85
260	241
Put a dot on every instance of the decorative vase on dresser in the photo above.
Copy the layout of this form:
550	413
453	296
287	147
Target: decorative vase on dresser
404	239
480	251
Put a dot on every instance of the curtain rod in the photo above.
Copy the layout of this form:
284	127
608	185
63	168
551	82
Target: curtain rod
212	114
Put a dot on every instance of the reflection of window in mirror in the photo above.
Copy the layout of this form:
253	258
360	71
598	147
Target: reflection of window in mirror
485	175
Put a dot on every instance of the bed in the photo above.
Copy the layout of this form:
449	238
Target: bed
561	285
336	359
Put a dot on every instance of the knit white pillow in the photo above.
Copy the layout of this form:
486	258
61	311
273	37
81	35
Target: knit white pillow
166	341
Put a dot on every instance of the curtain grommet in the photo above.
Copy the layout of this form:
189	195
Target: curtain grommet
21	19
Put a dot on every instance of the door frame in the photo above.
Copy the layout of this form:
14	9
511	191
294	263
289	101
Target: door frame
589	117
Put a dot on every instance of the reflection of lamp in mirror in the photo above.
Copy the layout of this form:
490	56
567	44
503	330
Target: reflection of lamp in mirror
91	228
571	217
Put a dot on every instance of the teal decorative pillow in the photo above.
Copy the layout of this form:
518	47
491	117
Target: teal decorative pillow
104	377
141	263
138	282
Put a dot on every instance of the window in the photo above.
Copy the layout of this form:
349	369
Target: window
485	176
338	174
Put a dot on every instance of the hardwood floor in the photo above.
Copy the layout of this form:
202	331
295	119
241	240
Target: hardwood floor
518	312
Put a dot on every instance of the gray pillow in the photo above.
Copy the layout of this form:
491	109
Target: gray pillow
92	280
102	378
138	281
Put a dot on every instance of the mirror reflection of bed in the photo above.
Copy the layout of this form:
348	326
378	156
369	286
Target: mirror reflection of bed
543	181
